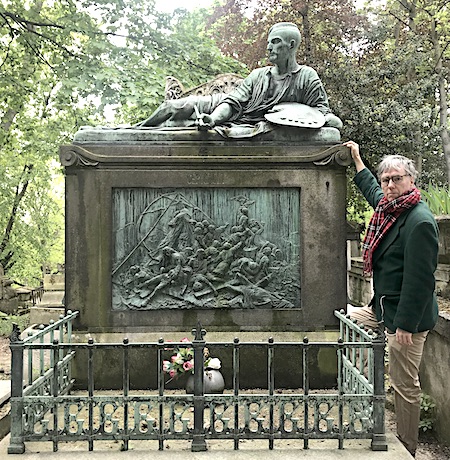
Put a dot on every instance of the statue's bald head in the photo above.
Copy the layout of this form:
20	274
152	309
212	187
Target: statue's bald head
288	30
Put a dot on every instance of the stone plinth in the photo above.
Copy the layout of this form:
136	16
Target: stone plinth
51	306
253	368
434	372
54	282
138	208
360	289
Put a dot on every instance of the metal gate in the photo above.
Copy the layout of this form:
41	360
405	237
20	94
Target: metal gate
43	408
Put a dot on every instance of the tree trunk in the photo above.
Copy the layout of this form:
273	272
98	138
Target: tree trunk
443	102
443	122
21	188
303	10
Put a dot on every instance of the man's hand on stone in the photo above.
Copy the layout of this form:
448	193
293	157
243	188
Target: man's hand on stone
354	151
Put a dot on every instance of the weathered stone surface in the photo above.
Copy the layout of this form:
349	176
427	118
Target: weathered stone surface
253	361
360	289
170	135
434	372
54	282
51	305
311	172
444	239
44	315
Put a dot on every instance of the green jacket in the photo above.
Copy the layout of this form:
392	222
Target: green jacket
404	264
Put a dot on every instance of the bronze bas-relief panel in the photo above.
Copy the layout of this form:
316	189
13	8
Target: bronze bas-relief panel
196	248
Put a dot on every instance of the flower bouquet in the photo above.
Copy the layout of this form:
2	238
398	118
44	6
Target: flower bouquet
182	361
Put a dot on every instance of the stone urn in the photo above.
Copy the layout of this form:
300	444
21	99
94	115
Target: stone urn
443	222
213	382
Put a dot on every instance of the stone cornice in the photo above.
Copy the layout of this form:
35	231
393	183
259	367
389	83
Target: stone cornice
101	155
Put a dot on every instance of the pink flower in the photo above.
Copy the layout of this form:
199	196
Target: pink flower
172	373
188	365
166	366
185	339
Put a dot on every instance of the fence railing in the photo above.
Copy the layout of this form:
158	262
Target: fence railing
39	369
36	295
49	412
362	370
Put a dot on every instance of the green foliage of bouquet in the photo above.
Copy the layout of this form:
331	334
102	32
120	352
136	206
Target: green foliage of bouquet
182	361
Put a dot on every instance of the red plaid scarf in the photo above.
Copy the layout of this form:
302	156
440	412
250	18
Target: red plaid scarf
384	217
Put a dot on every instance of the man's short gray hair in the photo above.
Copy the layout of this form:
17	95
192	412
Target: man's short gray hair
396	162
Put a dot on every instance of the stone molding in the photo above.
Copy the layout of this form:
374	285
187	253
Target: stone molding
95	155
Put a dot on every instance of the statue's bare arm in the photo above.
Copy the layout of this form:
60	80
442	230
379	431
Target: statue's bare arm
220	114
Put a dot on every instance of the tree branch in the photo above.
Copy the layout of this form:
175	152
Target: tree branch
20	20
399	19
8	119
29	26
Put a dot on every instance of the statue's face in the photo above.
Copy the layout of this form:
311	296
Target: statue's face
279	48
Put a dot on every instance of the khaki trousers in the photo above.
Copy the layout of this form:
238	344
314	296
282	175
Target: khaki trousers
404	363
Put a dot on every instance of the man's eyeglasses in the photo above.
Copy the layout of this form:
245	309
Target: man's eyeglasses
394	179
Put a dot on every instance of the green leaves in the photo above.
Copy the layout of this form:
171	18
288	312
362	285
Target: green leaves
438	199
62	64
427	412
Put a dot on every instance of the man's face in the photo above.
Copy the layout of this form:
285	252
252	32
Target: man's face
278	48
395	182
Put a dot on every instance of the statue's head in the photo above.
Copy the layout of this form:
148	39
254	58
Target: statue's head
288	31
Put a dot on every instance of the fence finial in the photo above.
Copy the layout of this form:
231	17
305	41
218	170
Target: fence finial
198	333
15	334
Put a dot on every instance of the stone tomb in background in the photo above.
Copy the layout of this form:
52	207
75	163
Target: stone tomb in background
165	229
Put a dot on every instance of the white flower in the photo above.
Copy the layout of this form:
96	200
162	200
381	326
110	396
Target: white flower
214	363
178	359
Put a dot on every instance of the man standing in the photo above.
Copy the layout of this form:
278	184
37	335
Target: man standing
263	89
400	250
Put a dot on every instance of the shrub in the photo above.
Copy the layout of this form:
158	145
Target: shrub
6	322
438	199
427	412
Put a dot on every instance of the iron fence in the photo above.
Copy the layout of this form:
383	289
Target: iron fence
36	295
45	409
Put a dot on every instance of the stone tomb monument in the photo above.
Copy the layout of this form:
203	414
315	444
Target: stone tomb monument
163	233
239	235
240	227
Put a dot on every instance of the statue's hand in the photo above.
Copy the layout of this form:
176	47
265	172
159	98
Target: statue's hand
204	122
